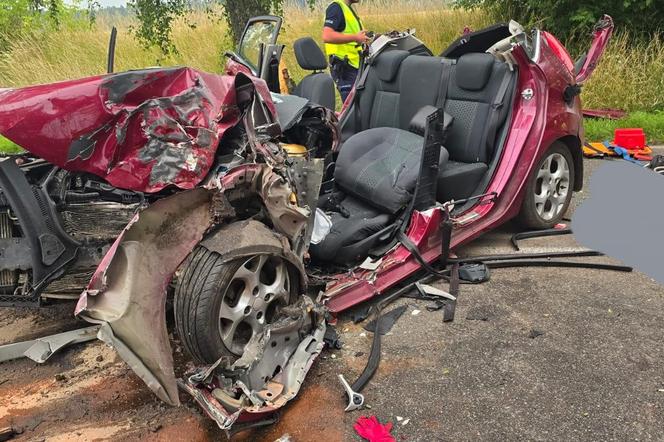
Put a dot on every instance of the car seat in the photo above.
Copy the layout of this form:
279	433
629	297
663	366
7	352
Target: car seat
318	87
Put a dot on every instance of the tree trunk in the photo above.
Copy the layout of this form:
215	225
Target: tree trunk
239	11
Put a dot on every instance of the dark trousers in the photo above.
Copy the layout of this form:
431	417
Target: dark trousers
344	77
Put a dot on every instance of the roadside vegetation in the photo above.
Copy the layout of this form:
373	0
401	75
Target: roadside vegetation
630	75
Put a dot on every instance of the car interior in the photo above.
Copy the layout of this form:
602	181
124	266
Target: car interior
374	176
318	86
377	169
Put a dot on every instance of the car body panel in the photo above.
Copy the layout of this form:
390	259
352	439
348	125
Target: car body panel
130	306
139	130
601	36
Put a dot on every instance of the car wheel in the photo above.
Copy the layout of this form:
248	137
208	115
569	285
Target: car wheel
220	305
549	189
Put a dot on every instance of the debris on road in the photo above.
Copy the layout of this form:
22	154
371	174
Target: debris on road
534	333
387	320
41	349
370	429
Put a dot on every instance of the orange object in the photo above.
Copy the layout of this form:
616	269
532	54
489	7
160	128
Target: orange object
630	139
600	150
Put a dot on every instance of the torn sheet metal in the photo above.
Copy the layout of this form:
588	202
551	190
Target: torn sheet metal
268	375
140	130
41	349
127	293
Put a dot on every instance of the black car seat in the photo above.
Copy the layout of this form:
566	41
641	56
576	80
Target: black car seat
318	86
374	186
377	166
377	169
478	97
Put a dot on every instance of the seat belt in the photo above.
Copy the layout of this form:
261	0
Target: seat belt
412	248
444	82
451	276
359	86
450	305
497	104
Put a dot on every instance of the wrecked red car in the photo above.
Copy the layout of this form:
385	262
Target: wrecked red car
219	190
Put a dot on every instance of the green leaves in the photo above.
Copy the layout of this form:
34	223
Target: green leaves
572	20
156	19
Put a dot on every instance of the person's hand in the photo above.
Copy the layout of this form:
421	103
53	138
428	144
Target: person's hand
362	37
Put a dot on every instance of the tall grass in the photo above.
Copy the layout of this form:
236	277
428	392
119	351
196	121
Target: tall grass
72	53
630	76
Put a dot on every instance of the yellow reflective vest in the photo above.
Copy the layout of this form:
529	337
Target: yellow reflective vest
349	51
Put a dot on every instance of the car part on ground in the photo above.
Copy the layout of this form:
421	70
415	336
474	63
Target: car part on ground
353	392
269	373
41	349
549	263
499	257
537	234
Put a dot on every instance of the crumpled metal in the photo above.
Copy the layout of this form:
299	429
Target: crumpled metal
139	130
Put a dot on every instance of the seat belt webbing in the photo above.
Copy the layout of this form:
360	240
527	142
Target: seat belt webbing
444	82
497	104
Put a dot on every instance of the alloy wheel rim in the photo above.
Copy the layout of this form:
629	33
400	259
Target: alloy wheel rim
552	186
256	292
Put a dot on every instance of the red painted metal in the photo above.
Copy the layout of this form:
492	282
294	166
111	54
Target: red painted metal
140	130
611	114
601	36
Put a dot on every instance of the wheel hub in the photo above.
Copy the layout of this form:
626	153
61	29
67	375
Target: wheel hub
258	289
552	186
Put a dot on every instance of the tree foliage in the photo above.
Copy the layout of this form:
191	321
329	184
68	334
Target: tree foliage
156	17
18	17
572	18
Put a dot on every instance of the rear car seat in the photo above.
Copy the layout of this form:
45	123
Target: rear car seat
478	97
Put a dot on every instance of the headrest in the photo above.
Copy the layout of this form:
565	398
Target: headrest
473	70
387	64
308	54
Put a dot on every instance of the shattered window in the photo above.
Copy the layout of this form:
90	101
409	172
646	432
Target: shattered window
261	32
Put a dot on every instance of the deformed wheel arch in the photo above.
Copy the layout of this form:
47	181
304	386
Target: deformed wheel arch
250	237
573	144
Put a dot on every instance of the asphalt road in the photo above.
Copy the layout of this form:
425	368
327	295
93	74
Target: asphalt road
534	354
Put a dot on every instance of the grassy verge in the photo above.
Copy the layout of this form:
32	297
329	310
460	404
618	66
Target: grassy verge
652	123
7	146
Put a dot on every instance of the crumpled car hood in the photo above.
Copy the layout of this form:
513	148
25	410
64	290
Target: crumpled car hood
139	130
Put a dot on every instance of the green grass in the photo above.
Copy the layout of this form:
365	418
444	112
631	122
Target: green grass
651	122
7	146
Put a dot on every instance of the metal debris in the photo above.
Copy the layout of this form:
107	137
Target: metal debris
41	349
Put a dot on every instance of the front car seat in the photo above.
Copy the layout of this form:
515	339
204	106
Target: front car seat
377	175
318	87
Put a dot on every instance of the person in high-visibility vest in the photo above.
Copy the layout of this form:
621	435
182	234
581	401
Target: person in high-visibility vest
343	37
